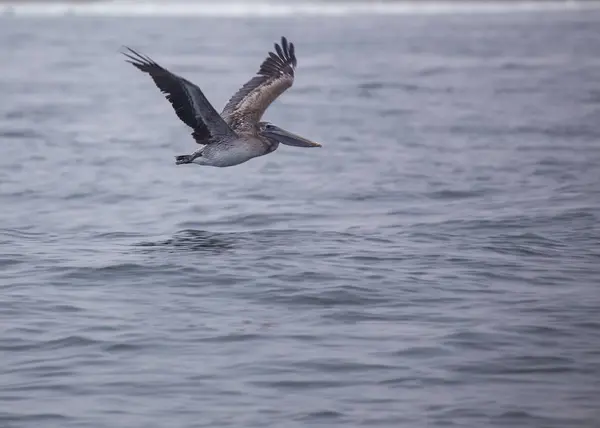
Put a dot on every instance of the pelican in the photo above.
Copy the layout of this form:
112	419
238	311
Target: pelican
237	134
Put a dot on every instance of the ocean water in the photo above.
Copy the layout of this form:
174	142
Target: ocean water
435	264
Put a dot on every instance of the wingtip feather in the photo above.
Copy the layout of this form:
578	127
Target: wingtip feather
283	61
279	51
138	58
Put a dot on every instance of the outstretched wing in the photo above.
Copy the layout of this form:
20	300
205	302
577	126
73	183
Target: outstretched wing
188	101
276	74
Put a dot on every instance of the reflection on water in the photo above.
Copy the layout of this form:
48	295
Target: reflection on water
195	240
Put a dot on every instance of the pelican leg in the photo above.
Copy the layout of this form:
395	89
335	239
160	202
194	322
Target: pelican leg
183	159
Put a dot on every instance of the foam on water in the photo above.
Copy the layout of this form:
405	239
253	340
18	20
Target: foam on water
272	9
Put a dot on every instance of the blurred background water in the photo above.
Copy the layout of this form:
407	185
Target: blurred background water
434	264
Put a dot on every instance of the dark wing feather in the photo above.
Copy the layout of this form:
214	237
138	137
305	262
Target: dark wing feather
188	101
275	75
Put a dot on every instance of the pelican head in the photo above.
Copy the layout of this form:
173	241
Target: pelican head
282	136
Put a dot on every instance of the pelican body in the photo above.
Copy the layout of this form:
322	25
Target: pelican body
237	134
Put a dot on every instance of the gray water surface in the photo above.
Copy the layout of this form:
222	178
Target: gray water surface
434	264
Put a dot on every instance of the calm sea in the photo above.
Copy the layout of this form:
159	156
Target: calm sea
436	263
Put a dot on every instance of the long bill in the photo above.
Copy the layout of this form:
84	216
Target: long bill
289	139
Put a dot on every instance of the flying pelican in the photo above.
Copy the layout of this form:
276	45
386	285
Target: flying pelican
237	134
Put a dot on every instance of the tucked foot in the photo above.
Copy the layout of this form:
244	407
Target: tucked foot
179	160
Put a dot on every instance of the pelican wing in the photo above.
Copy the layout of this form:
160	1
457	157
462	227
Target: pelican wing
276	74
188	101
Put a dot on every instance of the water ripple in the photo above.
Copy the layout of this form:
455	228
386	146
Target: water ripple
434	264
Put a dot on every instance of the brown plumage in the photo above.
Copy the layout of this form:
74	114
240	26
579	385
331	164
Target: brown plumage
275	75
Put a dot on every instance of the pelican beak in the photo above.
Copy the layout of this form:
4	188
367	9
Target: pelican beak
289	139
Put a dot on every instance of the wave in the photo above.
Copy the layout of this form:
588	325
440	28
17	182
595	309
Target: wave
266	9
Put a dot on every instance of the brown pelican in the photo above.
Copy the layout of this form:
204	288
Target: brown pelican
237	134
